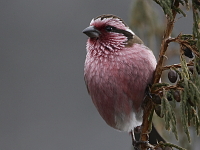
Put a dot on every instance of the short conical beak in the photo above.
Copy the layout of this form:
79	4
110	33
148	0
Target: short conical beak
92	32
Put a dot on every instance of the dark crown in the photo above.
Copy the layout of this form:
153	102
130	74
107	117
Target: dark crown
110	16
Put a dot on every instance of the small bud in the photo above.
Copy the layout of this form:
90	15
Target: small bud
158	111
187	52
172	76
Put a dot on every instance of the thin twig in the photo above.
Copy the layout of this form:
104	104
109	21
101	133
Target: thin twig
176	66
171	145
159	91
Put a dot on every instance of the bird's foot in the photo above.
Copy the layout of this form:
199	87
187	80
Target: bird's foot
138	144
138	129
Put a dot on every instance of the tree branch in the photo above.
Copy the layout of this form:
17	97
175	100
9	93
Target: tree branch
149	106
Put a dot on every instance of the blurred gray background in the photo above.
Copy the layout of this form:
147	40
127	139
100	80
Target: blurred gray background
44	103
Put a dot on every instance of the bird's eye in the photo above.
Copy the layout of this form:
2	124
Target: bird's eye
109	28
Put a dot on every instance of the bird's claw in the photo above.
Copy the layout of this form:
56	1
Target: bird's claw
137	144
148	91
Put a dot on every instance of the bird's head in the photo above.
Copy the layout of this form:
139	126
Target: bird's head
110	32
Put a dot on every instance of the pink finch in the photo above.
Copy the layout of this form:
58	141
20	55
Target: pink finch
118	69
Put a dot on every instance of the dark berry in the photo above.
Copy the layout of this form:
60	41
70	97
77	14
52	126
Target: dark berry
176	95
158	148
188	52
167	148
191	69
172	76
158	111
156	99
190	102
169	96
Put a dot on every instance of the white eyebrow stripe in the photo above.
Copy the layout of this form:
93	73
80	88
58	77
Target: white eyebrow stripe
129	30
92	21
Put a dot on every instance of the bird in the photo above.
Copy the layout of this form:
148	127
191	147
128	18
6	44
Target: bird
118	70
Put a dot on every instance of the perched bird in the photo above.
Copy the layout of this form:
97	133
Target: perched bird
118	69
